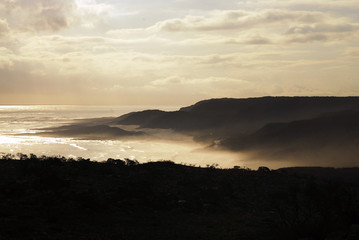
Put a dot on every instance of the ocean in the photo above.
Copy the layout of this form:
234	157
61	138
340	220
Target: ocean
20	127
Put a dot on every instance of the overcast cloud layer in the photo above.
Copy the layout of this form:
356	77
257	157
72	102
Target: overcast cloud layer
175	51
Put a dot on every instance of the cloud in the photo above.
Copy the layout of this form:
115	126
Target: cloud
90	12
53	15
168	81
308	38
236	20
40	15
271	26
248	40
352	52
322	32
323	27
4	29
301	5
91	7
205	83
5	58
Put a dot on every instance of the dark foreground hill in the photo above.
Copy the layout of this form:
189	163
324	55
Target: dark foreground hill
59	198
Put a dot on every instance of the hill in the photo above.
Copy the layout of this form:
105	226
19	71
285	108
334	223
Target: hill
314	130
331	138
59	198
241	115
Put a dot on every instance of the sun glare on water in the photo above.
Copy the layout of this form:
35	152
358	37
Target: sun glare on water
8	140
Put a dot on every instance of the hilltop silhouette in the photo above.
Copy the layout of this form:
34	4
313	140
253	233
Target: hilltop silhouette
243	115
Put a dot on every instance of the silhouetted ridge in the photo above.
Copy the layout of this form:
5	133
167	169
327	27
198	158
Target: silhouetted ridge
177	120
272	105
140	118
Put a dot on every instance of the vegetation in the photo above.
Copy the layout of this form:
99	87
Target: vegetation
60	198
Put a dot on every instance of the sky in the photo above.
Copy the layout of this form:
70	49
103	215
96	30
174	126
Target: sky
176	52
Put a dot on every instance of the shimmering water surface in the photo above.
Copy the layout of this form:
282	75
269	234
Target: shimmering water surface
17	120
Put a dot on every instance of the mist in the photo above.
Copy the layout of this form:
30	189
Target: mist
272	131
